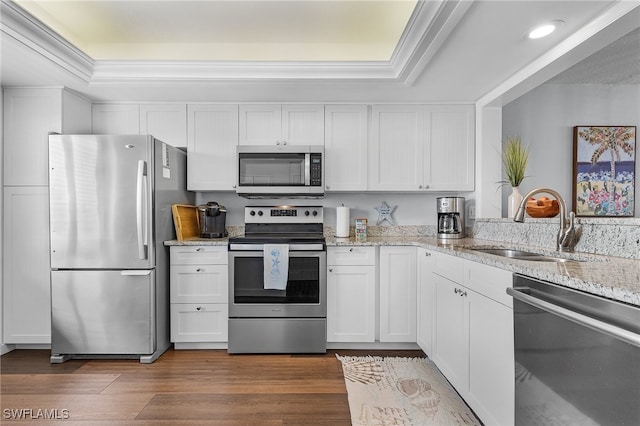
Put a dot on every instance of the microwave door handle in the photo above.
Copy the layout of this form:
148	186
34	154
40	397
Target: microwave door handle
307	169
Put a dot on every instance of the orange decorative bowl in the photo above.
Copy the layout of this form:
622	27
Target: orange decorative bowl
542	207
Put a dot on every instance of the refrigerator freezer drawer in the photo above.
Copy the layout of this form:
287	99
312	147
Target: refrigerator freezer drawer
102	312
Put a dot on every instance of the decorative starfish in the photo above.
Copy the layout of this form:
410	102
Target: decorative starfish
385	213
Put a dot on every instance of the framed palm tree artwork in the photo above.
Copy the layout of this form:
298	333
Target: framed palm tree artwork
604	171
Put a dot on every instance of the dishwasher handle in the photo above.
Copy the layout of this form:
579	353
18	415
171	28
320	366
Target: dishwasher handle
584	320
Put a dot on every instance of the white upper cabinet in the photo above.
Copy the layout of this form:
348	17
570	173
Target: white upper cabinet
421	148
267	124
449	150
345	147
116	119
396	147
29	116
167	122
211	147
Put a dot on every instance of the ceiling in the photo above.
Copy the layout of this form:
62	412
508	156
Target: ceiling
219	30
311	50
617	63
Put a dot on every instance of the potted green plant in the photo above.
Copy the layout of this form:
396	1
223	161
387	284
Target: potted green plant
515	156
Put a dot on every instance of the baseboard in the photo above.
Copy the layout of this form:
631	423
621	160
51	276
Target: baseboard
373	346
200	345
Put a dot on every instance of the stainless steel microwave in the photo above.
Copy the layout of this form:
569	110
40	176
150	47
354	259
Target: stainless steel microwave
276	171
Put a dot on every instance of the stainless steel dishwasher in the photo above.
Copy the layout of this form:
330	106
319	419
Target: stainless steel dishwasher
577	357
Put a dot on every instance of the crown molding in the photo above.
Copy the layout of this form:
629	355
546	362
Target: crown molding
427	30
34	35
428	27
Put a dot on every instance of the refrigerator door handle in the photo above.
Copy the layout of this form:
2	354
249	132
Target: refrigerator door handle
135	272
141	210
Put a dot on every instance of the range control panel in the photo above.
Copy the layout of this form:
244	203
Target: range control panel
283	214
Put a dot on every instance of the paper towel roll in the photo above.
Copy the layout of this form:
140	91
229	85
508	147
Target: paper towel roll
342	222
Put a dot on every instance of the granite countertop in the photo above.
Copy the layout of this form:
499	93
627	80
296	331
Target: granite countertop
612	277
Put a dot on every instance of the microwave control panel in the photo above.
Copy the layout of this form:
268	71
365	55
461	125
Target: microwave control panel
315	174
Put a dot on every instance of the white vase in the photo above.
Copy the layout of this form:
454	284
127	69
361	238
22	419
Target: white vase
513	201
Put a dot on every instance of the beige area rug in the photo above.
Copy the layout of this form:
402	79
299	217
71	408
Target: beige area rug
401	391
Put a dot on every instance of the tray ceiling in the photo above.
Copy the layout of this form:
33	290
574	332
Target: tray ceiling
299	50
228	30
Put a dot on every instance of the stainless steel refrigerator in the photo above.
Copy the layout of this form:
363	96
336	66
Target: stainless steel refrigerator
110	211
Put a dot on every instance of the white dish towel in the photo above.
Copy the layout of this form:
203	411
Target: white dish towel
276	266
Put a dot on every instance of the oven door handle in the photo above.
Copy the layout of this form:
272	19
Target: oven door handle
584	320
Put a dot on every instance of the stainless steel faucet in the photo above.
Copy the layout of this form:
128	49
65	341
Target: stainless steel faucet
567	234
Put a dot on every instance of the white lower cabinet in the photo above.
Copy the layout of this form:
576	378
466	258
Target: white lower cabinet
351	294
199	296
26	266
473	335
426	300
199	323
398	306
451	348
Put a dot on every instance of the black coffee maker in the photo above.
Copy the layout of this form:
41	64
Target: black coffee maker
212	220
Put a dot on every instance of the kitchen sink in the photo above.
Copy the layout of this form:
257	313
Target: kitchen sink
523	255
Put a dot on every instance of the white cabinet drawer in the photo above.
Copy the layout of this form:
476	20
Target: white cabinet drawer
198	255
449	266
199	283
489	281
199	322
355	255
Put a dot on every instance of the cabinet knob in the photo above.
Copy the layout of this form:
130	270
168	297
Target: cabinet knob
459	291
199	249
330	269
427	254
351	250
426	187
198	308
198	269
328	187
419	186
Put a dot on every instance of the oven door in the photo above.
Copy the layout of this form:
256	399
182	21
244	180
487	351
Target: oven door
305	295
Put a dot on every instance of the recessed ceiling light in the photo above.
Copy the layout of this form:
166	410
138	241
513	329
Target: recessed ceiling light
545	29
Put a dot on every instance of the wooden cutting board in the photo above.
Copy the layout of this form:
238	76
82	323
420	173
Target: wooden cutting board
186	221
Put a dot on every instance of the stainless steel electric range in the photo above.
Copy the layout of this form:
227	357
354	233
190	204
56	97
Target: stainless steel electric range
278	282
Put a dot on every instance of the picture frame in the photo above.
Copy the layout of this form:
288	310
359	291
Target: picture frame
604	171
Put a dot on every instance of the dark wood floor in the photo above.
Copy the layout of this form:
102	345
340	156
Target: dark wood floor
182	387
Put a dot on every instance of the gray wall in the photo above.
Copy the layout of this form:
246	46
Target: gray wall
545	117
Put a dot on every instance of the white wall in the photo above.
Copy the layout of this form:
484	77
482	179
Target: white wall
545	117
